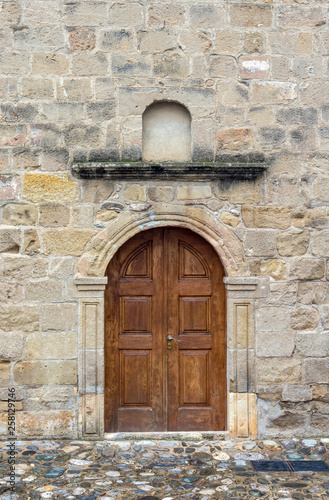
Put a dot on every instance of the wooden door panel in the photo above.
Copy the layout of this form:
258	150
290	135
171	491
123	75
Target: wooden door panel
192	419
194	378
135	313
135	383
194	314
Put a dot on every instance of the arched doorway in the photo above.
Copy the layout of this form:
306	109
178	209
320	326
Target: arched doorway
165	335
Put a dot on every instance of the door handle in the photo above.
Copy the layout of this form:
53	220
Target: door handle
170	338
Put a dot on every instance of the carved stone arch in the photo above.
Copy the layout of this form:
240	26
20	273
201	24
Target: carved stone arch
241	293
102	247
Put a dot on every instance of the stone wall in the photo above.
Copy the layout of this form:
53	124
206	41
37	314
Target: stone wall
75	79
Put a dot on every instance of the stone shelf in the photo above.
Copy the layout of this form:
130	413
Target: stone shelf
188	171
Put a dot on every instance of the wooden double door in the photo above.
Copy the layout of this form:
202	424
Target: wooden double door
165	341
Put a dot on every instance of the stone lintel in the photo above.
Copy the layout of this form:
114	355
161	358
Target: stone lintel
189	171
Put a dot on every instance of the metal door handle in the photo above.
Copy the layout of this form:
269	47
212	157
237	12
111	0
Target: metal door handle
170	337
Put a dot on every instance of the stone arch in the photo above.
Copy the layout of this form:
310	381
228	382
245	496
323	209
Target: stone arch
103	246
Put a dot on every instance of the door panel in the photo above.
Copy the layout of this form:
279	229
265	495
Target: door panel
161	282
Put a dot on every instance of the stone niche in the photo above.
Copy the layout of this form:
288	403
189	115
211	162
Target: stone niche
167	132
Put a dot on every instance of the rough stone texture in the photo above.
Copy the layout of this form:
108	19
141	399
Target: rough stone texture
76	78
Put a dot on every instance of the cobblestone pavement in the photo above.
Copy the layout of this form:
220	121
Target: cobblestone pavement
145	469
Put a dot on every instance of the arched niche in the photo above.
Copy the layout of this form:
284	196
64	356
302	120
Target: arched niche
167	132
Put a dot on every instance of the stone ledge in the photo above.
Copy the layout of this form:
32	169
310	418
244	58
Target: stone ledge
96	283
189	171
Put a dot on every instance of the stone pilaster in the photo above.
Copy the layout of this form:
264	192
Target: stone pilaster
91	356
241	293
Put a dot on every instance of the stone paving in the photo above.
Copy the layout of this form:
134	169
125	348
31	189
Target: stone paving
164	470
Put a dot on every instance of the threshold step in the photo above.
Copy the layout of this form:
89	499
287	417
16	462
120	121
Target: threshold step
168	436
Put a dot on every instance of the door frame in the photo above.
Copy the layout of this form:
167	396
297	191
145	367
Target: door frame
241	294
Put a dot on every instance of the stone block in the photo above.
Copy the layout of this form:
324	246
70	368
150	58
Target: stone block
74	89
4	373
126	15
11	345
82	216
10	240
304	318
9	187
66	241
31	242
195	42
254	42
313	344
297	116
118	41
304	43
63	112
230	219
281	294
228	42
316	370
59	317
275	268
42	38
193	192
82	135
44	291
272	319
10	13
20	268
313	293
54	215
40	12
257	243
50	64
48	398
250	16
222	66
320	243
302	138
11	292
237	191
101	111
82	39
321	189
85	64
156	41
106	215
281	344
85	14
289	192
161	15
45	135
58	424
295	16
19	112
51	346
235	139
293	243
306	269
37	88
276	371
13	135
95	191
265	216
254	67
207	16
49	188
324	312
20	214
14	63
271	137
135	192
17	318
161	193
61	267
294	393
172	64
104	89
265	92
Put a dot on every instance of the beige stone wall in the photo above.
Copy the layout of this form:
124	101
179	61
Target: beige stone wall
75	78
